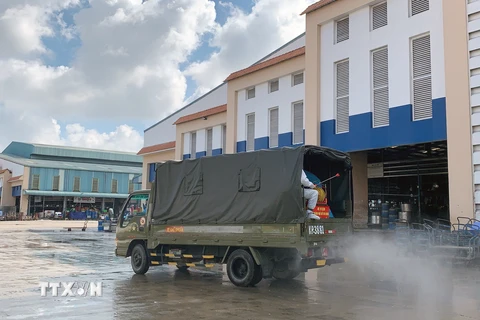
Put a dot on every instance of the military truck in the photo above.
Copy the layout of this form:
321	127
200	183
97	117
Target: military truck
245	210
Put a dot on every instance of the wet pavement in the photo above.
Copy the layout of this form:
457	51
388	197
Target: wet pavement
375	284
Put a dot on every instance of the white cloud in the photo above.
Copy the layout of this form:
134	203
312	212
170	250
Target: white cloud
125	70
245	38
127	67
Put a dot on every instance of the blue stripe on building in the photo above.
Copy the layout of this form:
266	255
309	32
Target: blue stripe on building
216	152
186	156
401	131
200	154
284	140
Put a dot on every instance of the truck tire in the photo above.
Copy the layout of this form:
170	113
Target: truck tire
258	275
282	272
183	268
287	275
241	268
139	259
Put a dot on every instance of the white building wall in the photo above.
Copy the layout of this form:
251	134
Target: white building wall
263	101
358	48
165	131
473	12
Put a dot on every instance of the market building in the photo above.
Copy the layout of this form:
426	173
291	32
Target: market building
57	179
389	81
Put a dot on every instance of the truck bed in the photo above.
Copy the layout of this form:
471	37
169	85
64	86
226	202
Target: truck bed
259	235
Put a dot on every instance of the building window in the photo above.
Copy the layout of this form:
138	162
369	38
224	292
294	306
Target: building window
421	78
209	142
250	132
298	122
379	15
130	186
224	139
273	127
36	182
56	183
419	6
297	79
95	185
380	87
342	29
342	91
76	184
251	93
151	171
114	186
193	145
273	86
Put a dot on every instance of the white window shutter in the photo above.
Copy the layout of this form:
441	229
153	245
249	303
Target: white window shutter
273	137
298	79
209	142
250	132
380	87
193	145
422	78
379	15
419	6
224	139
342	96
343	29
251	93
298	123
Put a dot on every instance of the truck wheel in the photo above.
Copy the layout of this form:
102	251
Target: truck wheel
139	259
282	272
290	274
241	268
183	268
258	275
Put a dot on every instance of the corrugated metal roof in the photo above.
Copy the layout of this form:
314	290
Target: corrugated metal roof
26	150
36	163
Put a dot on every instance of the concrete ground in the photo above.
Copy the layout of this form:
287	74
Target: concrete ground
374	284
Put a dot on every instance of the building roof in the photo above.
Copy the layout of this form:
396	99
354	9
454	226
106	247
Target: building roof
158	147
201	114
317	5
268	63
17	178
50	152
66	165
280	48
183	108
5	170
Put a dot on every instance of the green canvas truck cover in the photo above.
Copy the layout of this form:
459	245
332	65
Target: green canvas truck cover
260	187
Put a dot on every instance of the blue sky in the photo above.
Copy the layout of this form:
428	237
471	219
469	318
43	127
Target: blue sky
64	52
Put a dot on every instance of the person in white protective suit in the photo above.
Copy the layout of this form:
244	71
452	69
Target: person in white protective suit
311	195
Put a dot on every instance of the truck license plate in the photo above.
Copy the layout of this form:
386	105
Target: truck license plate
316	230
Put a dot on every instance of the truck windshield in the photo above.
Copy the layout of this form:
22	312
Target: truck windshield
136	206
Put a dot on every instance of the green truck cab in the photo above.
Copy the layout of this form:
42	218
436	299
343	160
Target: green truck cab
244	210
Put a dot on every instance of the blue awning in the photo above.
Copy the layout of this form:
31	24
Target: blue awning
74	194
